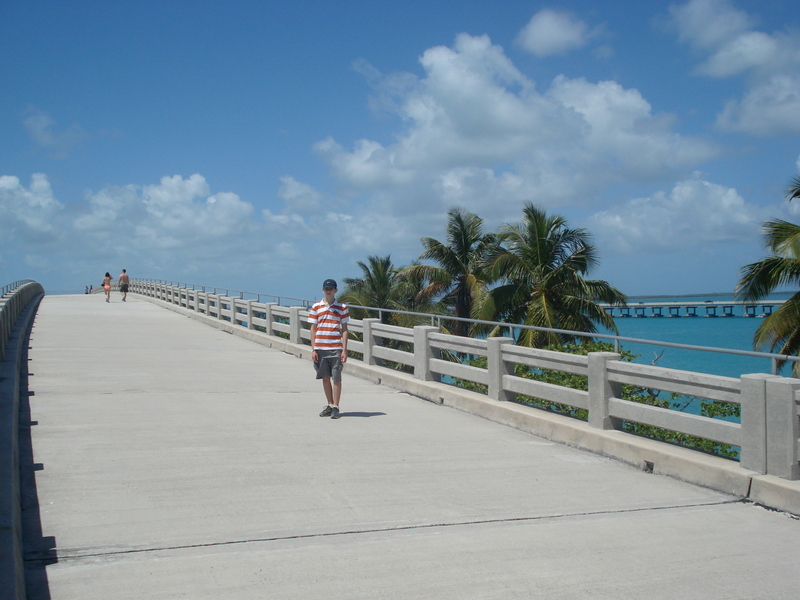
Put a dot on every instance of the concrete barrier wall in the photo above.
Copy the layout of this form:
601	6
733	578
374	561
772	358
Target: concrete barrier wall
17	309
768	433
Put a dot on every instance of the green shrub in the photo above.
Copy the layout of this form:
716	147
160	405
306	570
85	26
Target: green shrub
708	408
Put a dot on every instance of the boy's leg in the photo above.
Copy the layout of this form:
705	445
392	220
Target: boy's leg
329	396
337	392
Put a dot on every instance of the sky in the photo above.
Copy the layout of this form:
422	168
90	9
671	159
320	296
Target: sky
265	146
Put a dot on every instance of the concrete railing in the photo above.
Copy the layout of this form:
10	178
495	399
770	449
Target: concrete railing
767	434
15	297
17	309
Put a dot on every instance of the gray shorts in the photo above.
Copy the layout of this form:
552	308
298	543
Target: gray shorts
329	365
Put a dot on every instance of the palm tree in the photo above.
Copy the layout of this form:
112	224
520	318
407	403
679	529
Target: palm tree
411	296
780	331
458	279
378	288
793	191
542	263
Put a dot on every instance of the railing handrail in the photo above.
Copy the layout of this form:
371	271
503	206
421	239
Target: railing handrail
14	298
12	286
775	358
241	293
438	318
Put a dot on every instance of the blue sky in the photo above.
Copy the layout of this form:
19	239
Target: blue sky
266	146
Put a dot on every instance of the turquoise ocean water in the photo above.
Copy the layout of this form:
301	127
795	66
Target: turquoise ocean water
721	332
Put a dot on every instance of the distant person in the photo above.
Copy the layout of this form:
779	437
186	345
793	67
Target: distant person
328	319
107	286
124	280
87	290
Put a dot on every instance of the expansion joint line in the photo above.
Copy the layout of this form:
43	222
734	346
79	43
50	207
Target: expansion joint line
78	556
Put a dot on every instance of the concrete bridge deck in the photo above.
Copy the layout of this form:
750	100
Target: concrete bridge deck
173	460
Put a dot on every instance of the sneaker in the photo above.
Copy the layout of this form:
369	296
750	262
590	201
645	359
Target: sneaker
335	413
326	412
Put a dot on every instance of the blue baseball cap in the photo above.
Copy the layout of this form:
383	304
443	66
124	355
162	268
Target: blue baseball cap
330	283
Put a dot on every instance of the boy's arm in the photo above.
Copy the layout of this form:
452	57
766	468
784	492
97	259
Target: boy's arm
344	342
311	340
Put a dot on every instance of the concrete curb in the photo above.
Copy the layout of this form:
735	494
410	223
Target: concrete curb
12	566
657	457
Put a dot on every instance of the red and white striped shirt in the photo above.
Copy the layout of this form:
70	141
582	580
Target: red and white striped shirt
329	320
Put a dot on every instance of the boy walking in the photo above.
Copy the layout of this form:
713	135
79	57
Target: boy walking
328	319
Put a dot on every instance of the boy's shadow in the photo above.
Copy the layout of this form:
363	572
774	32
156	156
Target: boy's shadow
362	414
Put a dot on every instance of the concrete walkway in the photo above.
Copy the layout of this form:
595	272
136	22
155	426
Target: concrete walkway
173	460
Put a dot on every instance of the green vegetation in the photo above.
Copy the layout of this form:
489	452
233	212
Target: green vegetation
533	273
780	331
459	279
708	408
540	264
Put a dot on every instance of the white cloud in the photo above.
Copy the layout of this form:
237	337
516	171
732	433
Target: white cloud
106	209
734	47
769	109
622	129
709	24
299	197
31	211
42	129
553	32
750	50
172	198
477	132
770	62
175	225
370	165
174	212
694	213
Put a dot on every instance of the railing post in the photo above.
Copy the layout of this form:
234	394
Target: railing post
601	390
212	299
754	422
498	368
295	325
250	313
370	341
5	329
783	428
220	300
197	306
423	353
268	317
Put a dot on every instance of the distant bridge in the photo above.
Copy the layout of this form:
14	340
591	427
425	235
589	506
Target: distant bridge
708	308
